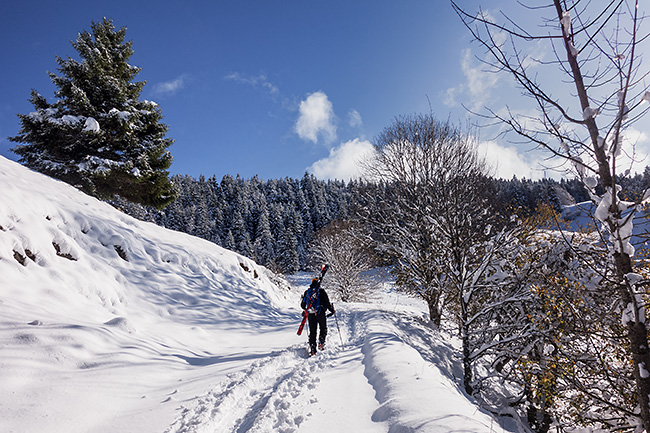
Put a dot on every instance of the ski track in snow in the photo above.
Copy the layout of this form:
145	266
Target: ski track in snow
263	398
345	388
279	393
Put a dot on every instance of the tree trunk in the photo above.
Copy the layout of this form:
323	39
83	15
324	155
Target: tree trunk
467	361
435	315
637	334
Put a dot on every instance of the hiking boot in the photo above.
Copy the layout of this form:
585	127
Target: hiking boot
321	346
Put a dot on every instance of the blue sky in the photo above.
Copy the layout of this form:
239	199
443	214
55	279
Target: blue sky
268	88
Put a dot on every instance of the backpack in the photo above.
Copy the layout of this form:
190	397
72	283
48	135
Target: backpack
315	301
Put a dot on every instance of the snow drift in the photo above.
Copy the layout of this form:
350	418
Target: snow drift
87	292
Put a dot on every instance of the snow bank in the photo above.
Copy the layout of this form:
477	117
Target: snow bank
580	217
414	394
126	308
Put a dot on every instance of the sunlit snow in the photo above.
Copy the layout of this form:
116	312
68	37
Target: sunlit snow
109	324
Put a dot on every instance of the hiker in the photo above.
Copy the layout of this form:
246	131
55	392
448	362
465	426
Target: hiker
319	301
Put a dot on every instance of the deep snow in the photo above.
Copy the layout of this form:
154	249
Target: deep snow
109	324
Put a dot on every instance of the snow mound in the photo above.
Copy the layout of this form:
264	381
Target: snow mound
89	291
62	249
582	217
121	323
387	356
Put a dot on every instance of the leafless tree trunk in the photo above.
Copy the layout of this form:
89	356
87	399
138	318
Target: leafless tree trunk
596	48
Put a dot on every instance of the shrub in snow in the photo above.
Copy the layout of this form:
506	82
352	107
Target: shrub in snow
341	245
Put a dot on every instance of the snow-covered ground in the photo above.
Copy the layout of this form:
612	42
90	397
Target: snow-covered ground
580	217
109	324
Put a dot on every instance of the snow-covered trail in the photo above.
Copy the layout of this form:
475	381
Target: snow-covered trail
392	374
289	392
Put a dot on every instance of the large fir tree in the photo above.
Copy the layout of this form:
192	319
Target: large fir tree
98	135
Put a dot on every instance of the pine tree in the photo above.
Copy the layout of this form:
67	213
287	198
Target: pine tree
288	259
263	239
294	224
229	241
98	135
240	235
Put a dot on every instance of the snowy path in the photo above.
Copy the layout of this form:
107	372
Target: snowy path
385	378
289	392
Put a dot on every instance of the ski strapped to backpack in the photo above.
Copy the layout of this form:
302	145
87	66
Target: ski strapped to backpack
311	301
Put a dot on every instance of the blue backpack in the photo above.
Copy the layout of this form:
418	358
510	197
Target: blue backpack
312	297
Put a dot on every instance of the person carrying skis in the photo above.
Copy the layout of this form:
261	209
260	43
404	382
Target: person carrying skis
316	299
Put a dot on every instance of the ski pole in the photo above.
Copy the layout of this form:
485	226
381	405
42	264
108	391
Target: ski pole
337	327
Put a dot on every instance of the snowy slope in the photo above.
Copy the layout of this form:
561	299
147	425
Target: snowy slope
580	217
109	324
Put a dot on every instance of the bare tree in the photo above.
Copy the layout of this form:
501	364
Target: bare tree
434	219
597	50
340	245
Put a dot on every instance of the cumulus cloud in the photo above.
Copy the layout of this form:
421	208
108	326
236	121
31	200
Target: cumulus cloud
259	81
507	162
344	161
170	87
316	118
354	119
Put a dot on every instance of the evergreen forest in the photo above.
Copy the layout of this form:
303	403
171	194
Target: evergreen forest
274	222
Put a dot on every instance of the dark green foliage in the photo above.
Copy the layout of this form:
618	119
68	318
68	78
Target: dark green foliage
98	135
272	222
253	216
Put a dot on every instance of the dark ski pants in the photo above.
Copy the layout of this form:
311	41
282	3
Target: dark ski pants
316	321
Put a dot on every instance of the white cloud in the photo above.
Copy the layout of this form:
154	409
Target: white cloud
344	161
507	162
354	119
170	87
451	95
316	118
476	89
255	81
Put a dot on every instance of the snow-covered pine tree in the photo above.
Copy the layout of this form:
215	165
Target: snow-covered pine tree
98	135
229	241
287	257
263	244
240	235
